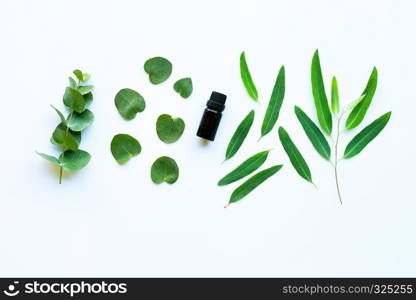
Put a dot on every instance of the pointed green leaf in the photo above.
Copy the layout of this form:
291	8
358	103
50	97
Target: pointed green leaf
334	96
124	147
315	135
275	103
365	136
74	160
184	87
239	135
74	100
61	116
245	168
65	137
295	157
85	89
355	103
246	77
169	129
80	121
253	182
129	103
357	114
158	68
319	95
50	158
164	169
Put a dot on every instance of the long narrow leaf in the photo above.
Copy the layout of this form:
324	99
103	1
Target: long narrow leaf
275	103
239	135
314	134
319	95
245	168
357	114
246	77
365	136
334	96
253	182
295	157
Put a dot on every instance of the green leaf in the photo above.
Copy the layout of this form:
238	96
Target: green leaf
61	116
275	103
319	95
129	103
334	96
245	168
80	121
365	136
164	169
65	137
124	147
74	160
169	129
158	68
295	157
72	83
253	182
85	77
85	89
357	114
50	158
315	135
78	74
74	100
239	135
184	87
246	77
88	99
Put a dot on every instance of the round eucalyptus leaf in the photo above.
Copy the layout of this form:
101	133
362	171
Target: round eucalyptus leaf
158	68
129	103
85	89
164	169
72	83
73	99
74	160
80	121
184	87
66	137
169	129
124	147
88	99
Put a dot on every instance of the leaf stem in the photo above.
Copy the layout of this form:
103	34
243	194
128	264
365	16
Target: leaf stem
60	175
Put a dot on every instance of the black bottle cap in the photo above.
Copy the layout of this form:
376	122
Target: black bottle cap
217	101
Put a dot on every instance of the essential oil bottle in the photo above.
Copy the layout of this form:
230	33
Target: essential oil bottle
212	116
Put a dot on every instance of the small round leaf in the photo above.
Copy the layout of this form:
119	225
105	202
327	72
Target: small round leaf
74	160
158	68
164	169
129	103
65	137
73	99
88	99
80	121
184	87
124	147
169	129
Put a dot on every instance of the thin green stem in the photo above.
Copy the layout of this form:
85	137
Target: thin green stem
60	175
336	160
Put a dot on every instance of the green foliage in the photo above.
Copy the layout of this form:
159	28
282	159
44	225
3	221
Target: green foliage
246	78
124	147
239	135
169	129
129	103
164	169
158	68
184	87
67	135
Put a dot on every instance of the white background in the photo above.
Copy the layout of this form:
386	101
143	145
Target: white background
111	220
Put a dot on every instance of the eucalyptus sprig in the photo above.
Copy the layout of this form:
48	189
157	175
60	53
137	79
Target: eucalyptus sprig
67	135
356	111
